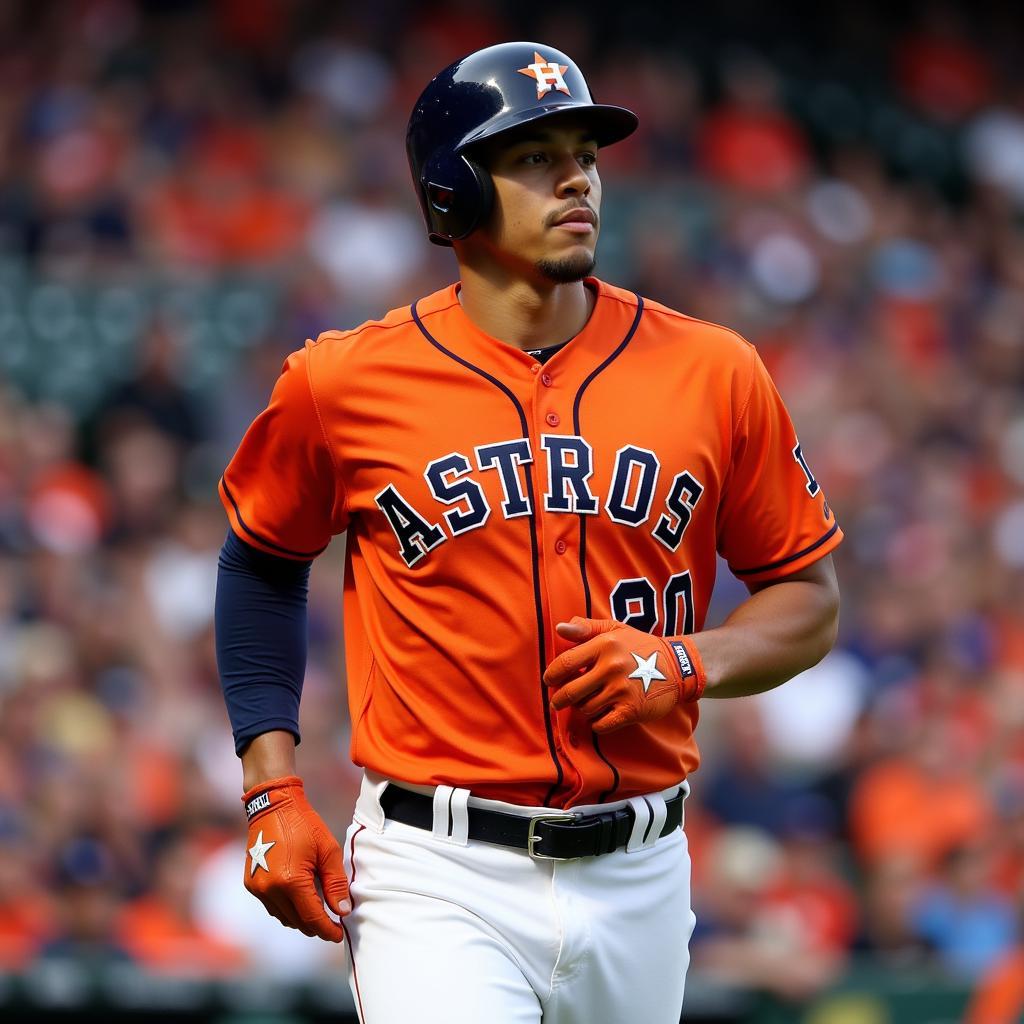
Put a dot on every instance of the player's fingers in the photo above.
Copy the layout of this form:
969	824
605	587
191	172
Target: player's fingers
576	629
616	718
599	702
308	907
279	903
333	881
279	908
273	913
289	914
580	628
570	663
577	690
277	917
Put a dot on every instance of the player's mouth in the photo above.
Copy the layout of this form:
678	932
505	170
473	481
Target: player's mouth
580	221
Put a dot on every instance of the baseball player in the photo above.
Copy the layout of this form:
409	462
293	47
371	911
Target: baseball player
535	470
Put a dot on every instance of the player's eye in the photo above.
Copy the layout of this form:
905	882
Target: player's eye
588	158
534	158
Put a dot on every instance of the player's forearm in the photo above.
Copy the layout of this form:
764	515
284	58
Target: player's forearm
774	635
260	627
270	755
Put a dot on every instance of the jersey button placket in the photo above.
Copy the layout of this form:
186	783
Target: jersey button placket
565	743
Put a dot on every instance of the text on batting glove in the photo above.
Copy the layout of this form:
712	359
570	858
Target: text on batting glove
617	675
289	852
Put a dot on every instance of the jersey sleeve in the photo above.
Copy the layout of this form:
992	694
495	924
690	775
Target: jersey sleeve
282	490
774	519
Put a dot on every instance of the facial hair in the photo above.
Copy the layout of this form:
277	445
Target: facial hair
568	269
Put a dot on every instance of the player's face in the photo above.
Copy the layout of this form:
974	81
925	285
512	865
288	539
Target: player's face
547	201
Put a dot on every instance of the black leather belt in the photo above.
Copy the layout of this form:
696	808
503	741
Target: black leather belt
549	835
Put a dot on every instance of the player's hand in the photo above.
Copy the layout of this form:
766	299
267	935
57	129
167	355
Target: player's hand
617	675
290	851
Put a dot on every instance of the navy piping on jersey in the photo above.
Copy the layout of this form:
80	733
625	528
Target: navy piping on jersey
583	519
542	647
263	540
791	558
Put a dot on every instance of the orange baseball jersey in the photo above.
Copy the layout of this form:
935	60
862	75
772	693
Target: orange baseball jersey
488	497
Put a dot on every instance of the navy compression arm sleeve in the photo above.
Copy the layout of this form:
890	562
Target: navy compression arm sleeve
260	623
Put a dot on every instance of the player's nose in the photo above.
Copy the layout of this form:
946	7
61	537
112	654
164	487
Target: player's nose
572	178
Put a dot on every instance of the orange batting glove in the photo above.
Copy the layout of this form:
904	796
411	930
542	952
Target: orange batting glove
290	852
618	675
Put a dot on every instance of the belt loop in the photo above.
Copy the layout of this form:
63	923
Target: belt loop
451	815
442	812
659	814
460	817
642	814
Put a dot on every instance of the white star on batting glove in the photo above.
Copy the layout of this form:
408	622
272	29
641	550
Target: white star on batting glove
258	852
646	670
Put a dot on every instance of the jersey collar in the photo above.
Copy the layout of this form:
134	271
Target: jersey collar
444	317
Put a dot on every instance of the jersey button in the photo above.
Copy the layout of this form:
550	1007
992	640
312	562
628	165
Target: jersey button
535	368
574	739
545	379
553	419
561	546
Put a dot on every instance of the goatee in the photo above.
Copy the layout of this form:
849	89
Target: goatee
569	269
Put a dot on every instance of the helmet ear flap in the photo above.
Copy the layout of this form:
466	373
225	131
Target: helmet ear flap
484	193
456	194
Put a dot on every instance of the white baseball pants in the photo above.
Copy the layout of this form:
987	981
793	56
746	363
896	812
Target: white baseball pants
449	931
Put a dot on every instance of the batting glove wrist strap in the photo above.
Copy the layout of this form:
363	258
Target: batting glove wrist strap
692	677
258	800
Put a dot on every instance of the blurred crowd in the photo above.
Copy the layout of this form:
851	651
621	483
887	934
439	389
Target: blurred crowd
848	194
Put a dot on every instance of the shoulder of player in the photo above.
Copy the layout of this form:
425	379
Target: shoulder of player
373	338
690	328
669	322
332	342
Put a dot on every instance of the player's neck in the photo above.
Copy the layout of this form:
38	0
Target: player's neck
522	313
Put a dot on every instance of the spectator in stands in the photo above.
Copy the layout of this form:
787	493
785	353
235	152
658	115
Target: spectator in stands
86	902
998	997
968	924
768	922
922	803
891	890
160	928
25	911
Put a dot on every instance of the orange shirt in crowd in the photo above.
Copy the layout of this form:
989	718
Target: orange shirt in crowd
162	940
897	810
822	911
23	928
755	150
999	997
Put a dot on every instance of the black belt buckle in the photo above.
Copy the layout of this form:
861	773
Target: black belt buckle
532	839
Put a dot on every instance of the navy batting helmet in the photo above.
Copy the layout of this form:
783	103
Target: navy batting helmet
478	97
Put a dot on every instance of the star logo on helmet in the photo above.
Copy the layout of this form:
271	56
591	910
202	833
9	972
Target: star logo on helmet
547	75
